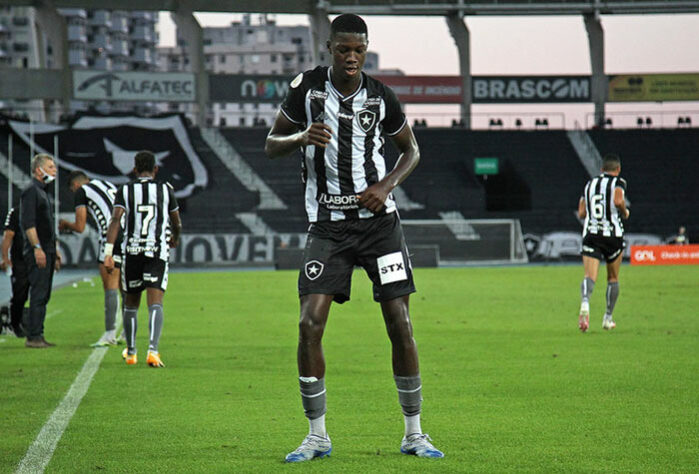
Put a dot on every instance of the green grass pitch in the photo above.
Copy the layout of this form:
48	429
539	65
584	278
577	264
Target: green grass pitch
509	383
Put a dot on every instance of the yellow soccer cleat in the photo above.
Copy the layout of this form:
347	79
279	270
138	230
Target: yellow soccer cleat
130	359
153	359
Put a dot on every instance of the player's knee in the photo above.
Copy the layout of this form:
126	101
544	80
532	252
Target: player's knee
310	329
400	331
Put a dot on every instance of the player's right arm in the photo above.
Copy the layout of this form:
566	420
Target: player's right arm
285	136
7	238
175	227
175	222
582	209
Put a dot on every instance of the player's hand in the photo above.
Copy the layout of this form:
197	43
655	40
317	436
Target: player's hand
374	197
4	265
59	261
63	225
317	134
40	258
109	263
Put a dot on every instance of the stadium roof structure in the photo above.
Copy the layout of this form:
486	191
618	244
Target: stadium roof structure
385	7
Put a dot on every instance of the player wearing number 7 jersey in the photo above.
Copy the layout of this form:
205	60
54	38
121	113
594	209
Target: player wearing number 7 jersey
603	206
149	208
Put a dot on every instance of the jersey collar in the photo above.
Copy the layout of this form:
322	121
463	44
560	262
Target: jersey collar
339	94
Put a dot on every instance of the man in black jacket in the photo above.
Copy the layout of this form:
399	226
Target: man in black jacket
12	257
40	247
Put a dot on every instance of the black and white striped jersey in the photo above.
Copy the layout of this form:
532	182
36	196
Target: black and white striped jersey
602	215
354	158
98	196
147	204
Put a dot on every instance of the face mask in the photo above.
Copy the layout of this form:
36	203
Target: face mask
48	179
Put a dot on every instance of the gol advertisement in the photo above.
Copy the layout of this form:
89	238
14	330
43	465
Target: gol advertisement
653	87
664	254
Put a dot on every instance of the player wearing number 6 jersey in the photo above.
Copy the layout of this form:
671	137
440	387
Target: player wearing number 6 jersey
603	206
97	197
149	207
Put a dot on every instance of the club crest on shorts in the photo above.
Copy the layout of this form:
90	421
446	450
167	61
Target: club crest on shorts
366	119
313	269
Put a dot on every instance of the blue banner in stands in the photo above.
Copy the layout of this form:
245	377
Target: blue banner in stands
104	147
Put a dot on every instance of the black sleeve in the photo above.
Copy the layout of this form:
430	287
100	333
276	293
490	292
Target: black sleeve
27	206
119	200
293	105
171	197
12	221
621	183
80	198
394	121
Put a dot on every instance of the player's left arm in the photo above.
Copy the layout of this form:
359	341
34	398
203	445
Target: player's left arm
79	224
112	233
620	202
374	197
80	202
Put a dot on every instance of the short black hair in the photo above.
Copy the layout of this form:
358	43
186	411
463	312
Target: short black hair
144	161
348	23
610	162
74	175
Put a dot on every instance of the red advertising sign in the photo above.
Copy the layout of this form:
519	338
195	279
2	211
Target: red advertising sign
665	254
425	89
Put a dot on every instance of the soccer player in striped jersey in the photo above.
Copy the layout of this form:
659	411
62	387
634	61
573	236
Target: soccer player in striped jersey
149	208
602	206
97	197
338	117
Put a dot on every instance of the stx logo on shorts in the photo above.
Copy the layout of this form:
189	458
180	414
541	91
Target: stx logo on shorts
391	268
135	283
150	278
313	269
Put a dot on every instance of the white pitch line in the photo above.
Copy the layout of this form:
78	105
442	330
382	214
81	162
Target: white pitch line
53	313
40	452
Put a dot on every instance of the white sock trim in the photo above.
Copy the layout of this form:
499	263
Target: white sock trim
412	424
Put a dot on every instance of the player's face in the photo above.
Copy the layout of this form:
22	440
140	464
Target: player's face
349	53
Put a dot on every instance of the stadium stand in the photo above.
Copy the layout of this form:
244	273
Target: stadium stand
213	209
283	176
661	167
539	182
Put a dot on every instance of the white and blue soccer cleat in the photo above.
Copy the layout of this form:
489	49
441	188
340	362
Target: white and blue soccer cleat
313	446
420	445
608	323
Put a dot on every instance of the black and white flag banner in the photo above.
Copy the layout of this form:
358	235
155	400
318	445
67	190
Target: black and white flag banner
104	147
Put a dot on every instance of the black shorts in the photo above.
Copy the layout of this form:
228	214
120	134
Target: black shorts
602	248
139	272
377	244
